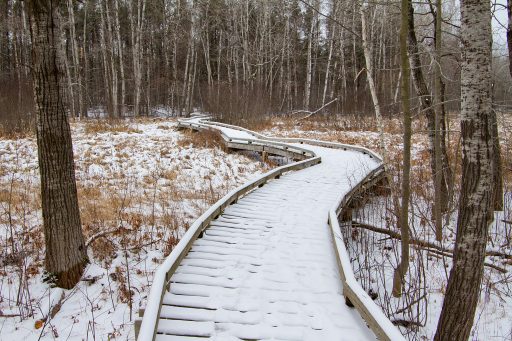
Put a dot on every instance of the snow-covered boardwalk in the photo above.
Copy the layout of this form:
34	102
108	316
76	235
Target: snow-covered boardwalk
266	268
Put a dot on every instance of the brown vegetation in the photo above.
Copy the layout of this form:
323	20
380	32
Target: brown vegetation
97	126
202	139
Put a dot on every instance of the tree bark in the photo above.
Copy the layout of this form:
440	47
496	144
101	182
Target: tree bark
76	62
113	47
440	197
328	66
509	35
426	105
66	255
136	23
476	198
121	60
104	51
403	266
369	75
497	174
309	64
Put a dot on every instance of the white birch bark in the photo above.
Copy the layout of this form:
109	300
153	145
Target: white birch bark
369	75
121	60
476	199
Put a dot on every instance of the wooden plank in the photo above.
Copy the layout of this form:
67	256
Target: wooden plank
271	146
166	337
186	328
217	316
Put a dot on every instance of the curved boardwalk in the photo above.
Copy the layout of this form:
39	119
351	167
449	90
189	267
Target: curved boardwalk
266	268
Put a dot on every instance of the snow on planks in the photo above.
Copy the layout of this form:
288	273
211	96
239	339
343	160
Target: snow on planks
266	268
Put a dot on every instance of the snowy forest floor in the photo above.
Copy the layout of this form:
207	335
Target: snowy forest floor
375	255
141	184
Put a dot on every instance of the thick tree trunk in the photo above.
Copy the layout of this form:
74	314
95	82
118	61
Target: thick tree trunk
65	250
476	198
403	266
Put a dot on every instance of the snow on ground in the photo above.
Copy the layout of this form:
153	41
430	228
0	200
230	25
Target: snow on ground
146	183
142	182
375	255
274	272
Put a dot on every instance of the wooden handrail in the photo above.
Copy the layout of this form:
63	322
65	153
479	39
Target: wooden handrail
146	330
369	311
313	142
378	322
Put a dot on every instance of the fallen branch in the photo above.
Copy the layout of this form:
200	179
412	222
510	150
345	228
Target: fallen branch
311	113
99	235
399	311
495	267
9	315
406	323
57	306
422	243
137	247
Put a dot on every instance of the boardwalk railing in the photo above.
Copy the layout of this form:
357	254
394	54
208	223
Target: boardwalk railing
369	311
288	140
146	330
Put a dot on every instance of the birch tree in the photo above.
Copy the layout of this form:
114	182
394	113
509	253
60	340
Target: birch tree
368	56
136	24
476	197
309	61
119	48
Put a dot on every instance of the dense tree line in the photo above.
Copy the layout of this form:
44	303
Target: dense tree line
227	56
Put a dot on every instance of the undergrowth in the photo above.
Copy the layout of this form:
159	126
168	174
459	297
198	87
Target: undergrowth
140	186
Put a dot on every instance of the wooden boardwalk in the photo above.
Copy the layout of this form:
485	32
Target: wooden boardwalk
266	268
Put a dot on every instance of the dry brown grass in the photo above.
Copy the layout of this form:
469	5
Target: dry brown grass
202	139
24	129
97	126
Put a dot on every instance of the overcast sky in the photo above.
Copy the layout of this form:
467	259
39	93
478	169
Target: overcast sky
500	33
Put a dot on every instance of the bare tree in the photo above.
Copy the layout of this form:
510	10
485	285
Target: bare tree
440	192
368	56
476	198
403	266
136	24
76	63
65	250
120	51
443	182
509	34
497	173
309	62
